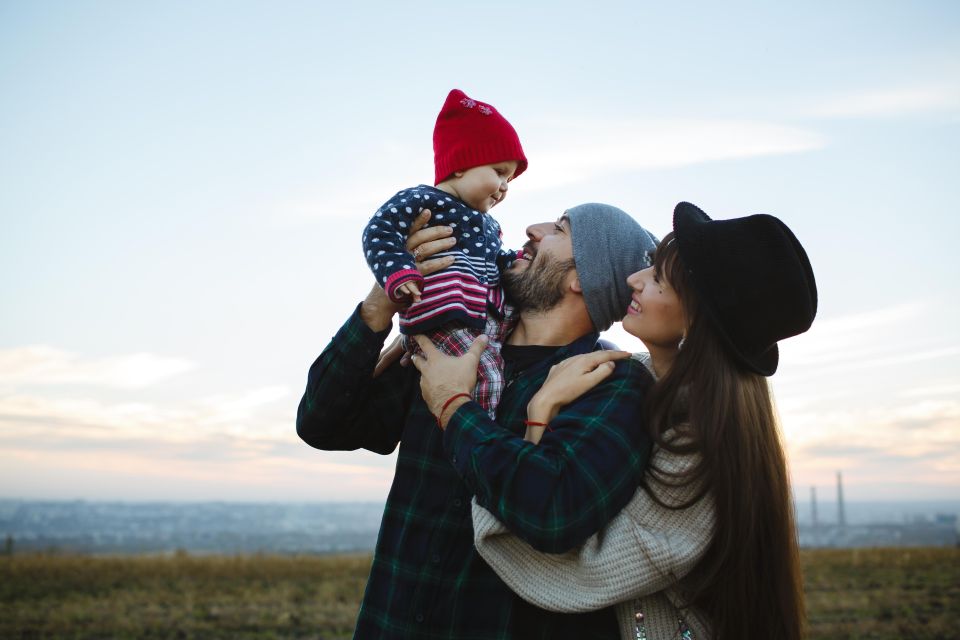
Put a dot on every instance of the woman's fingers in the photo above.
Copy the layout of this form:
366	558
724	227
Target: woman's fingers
592	360
603	370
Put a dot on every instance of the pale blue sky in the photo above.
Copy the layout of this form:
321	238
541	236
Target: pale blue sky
184	186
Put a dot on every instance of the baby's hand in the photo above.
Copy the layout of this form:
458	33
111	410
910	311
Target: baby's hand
409	291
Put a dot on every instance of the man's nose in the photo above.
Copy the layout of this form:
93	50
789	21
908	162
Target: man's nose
536	232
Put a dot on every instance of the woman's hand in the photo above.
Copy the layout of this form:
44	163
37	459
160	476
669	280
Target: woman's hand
569	380
442	377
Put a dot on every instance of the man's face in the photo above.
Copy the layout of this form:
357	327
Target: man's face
538	281
552	238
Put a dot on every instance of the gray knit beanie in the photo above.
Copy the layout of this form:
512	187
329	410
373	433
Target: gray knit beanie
608	245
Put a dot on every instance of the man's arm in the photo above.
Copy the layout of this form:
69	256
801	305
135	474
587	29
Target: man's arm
344	407
556	494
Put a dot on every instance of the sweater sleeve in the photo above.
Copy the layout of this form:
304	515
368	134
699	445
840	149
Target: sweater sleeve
385	243
556	494
645	549
505	259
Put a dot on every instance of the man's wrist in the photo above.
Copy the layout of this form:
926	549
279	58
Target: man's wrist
377	310
451	408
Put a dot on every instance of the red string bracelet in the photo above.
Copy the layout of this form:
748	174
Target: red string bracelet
447	404
534	423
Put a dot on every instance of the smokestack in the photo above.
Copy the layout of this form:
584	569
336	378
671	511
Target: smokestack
841	512
813	506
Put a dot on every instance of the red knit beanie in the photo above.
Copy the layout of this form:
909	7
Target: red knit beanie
470	133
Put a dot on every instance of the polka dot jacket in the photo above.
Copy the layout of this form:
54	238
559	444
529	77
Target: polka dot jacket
461	293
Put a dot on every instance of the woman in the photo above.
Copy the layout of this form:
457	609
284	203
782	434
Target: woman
707	548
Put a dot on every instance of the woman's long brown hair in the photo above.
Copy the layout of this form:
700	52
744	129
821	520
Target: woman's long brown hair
749	581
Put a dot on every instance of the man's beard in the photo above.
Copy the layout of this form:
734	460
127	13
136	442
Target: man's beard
538	288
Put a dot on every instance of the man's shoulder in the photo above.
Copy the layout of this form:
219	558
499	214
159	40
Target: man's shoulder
629	376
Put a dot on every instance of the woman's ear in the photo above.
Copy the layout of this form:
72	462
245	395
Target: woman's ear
458	174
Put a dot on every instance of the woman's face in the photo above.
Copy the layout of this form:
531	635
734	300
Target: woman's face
655	314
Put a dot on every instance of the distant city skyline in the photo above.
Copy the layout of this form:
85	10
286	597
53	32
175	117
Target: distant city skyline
185	185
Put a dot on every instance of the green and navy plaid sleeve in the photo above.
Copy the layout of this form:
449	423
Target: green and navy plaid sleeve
344	407
561	491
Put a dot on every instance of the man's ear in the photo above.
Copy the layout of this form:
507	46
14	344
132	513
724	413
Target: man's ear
575	285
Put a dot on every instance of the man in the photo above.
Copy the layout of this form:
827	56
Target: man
427	581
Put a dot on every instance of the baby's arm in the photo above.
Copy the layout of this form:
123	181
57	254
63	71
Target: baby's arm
384	246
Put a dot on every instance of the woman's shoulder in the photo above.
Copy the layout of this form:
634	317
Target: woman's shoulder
644	358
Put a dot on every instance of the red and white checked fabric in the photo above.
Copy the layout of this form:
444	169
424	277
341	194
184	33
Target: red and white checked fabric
457	341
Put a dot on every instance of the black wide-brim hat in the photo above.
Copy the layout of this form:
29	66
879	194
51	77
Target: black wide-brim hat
753	280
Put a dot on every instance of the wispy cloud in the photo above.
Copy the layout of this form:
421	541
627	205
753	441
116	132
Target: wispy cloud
46	365
886	103
236	446
862	341
572	151
565	152
249	414
919	443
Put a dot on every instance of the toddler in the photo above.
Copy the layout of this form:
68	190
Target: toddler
476	153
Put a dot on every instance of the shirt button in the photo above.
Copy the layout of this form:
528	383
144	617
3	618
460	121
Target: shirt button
436	558
454	459
457	502
418	617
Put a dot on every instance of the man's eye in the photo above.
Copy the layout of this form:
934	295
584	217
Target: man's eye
557	227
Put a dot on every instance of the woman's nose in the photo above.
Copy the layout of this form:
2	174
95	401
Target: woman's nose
635	280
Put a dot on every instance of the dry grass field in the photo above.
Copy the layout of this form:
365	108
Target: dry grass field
876	594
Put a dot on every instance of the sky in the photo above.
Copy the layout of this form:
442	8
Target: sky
183	186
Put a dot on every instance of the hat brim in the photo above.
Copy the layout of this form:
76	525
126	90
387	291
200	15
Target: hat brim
689	225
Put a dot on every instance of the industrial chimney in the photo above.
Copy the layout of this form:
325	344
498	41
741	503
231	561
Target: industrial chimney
841	511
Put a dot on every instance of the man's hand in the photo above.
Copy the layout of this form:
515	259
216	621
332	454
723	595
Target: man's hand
423	243
377	310
442	377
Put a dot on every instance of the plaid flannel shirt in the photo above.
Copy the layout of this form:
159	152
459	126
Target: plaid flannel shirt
457	341
427	580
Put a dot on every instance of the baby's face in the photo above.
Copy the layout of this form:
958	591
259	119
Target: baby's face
485	186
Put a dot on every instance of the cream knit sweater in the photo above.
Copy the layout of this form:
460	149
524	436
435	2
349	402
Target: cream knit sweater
636	562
